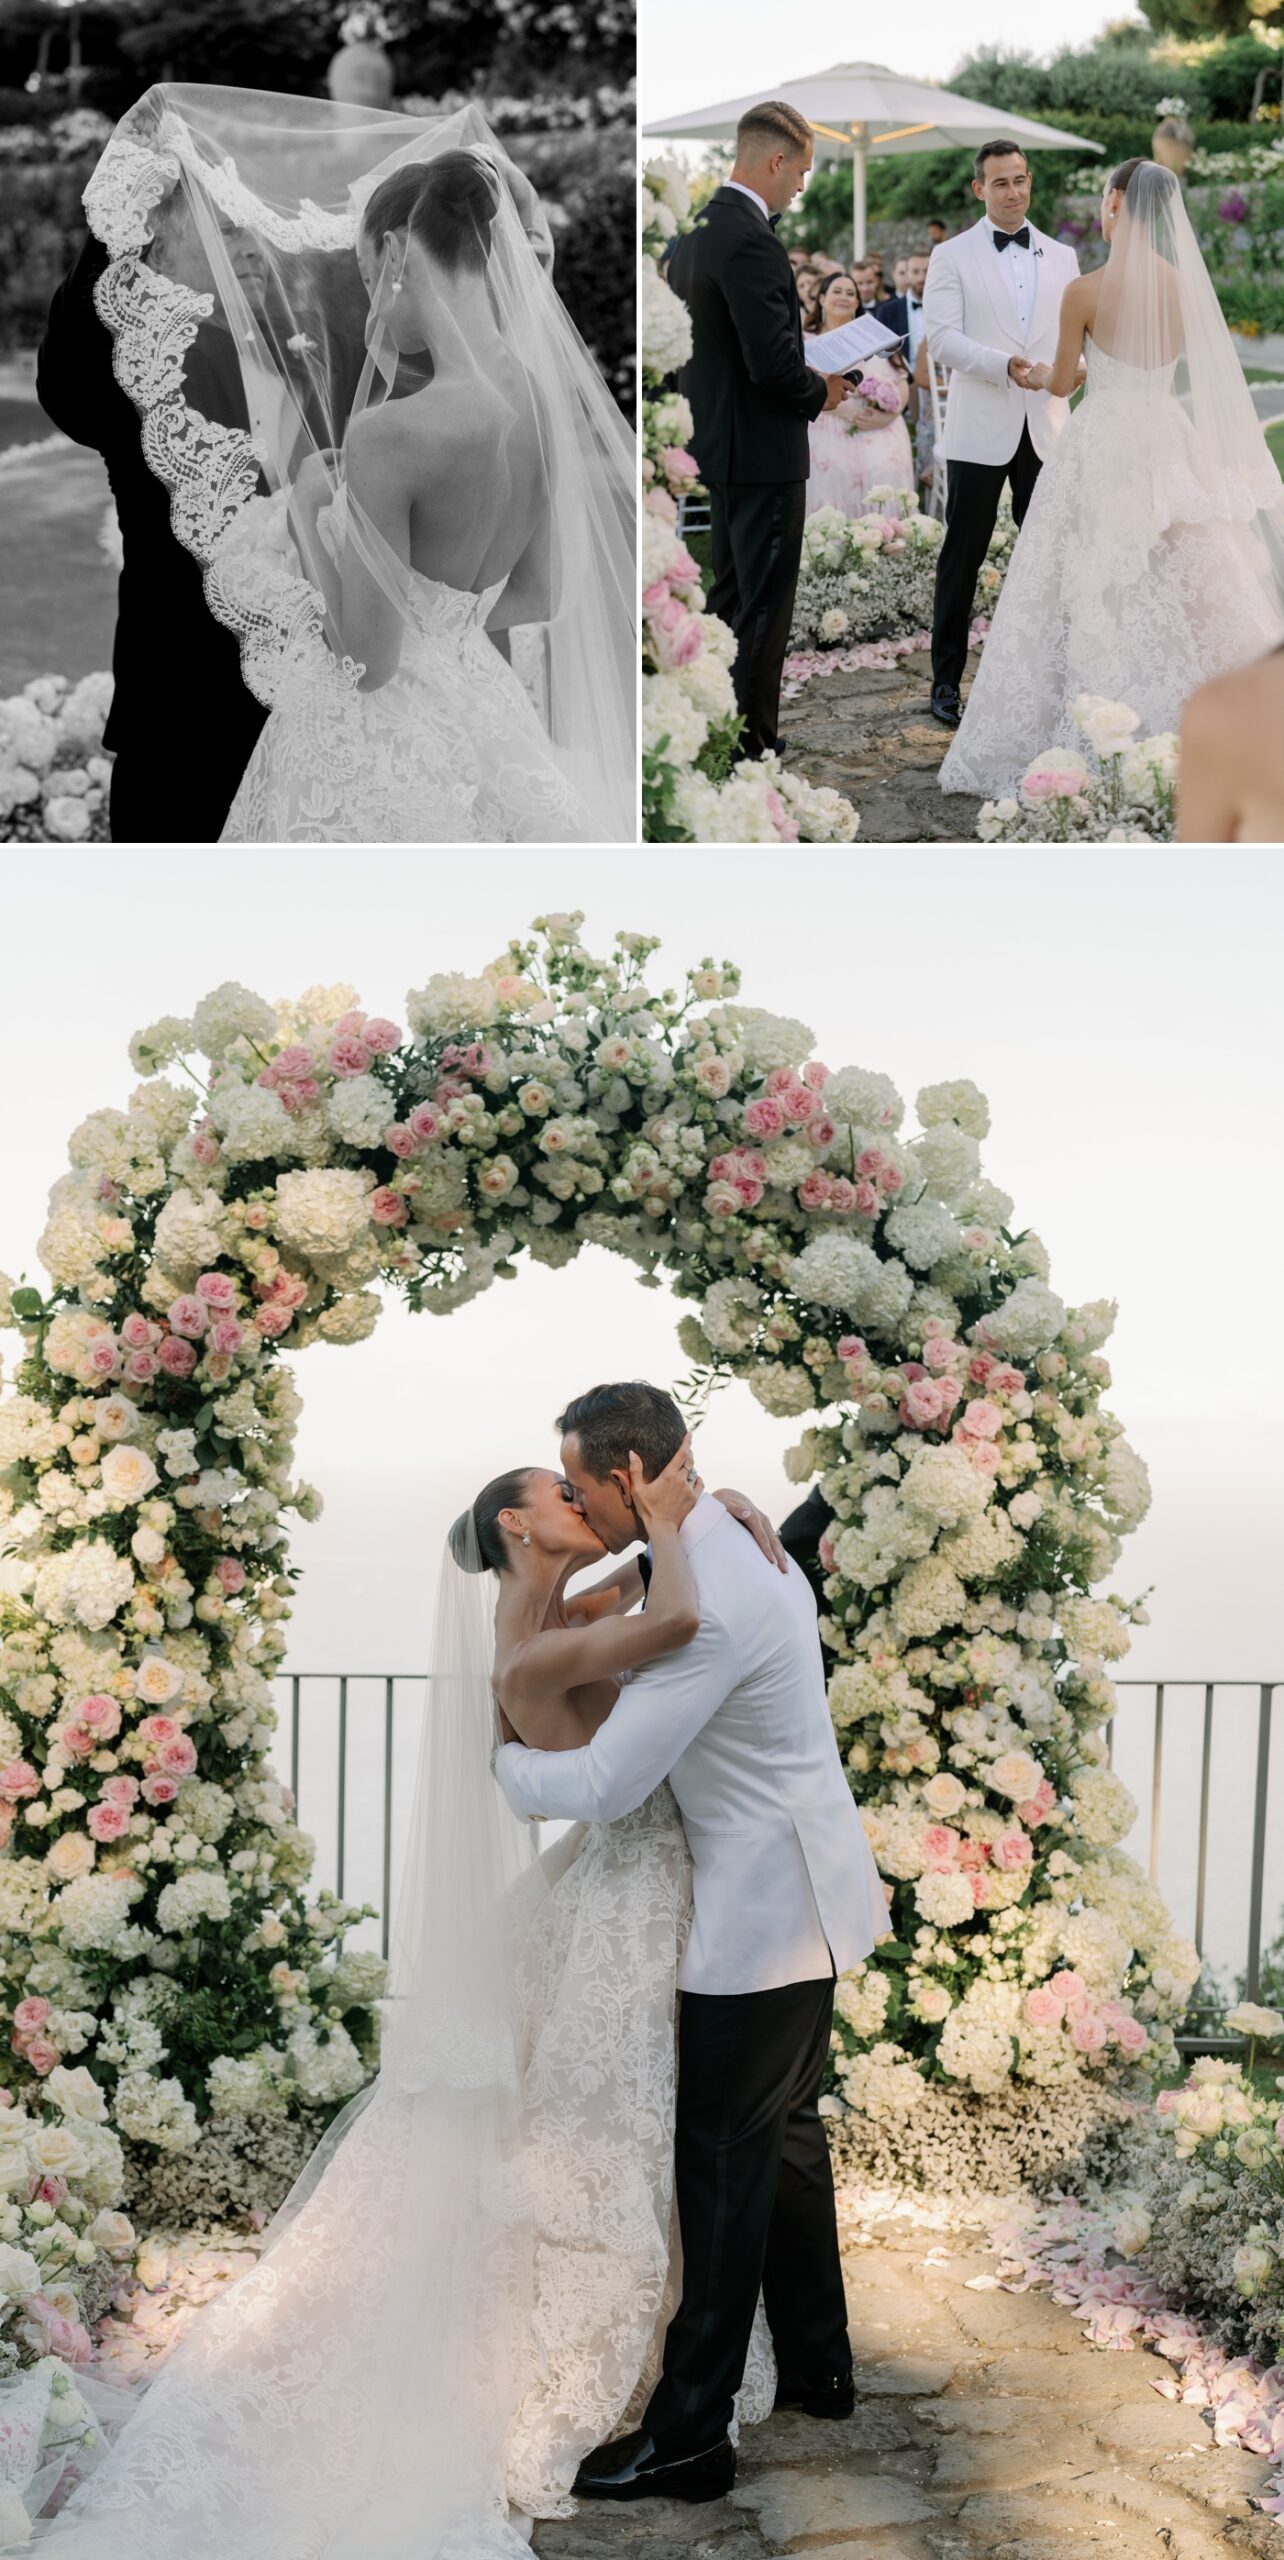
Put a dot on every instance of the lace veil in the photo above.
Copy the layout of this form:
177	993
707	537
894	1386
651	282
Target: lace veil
1158	313
281	269
353	2392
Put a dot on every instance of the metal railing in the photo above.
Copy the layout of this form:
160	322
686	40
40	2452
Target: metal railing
1187	1717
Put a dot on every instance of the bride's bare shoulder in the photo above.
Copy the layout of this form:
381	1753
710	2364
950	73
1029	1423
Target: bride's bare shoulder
394	437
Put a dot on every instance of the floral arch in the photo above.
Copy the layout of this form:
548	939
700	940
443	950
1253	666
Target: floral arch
182	2015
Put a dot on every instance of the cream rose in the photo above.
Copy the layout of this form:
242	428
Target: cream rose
72	1855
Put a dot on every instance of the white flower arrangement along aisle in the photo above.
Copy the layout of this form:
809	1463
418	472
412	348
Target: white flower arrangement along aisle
171	1983
690	792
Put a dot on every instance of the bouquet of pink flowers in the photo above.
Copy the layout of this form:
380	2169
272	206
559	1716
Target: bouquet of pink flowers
873	393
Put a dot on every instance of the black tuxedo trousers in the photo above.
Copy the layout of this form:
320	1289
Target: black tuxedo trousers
757	548
755	2197
971	507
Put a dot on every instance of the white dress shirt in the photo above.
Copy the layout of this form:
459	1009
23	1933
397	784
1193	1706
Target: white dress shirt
784	1877
752	193
1019	275
915	329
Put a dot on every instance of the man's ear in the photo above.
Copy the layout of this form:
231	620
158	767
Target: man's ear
619	1477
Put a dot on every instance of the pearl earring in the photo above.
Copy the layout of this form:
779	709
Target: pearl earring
526	1539
397	286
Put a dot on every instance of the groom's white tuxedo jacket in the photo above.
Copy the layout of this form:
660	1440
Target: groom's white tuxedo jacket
738	1722
973	328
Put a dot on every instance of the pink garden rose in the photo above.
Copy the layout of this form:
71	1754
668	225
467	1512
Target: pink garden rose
981	1367
425	1122
924	1403
1067	1985
157	1729
158	1789
273	1319
985	1457
1088	2032
18	1778
940	1352
980	1420
189	1316
176	1357
137	1334
1037	1807
30	2016
347	1055
388	1208
231	1574
973	1855
939	1849
866	1200
204	1145
1042	2007
218	1290
1006	1381
1131	2035
842	1196
764	1117
1012	1851
140	1367
121	1790
814	1192
43	2056
400	1140
103	1359
226	1336
851	1347
381	1035
677	465
107	1821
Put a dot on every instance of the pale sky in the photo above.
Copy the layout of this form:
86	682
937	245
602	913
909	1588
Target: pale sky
691	57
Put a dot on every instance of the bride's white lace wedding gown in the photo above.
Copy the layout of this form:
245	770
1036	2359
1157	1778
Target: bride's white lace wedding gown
450	751
264	2434
1129	580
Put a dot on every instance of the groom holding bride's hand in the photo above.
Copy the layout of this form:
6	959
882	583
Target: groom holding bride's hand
992	306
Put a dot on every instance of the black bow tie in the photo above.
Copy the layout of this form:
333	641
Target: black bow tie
1004	239
774	221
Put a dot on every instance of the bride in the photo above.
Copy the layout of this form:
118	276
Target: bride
1152	555
423	535
468	2287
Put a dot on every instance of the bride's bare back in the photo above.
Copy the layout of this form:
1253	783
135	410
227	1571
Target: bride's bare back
466	465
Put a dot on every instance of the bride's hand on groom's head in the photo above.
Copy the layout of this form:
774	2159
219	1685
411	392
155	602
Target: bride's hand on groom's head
665	1501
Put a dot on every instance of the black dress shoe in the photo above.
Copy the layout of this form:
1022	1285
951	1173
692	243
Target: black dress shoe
633	2468
825	2395
947	706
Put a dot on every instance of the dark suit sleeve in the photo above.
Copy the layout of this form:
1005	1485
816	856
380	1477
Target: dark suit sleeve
800	1536
760	295
73	365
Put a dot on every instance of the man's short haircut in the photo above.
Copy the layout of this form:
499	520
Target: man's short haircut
609	1421
771	127
996	151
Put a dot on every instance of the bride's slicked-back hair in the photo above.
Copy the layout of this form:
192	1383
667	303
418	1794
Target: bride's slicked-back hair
447	205
477	1541
1126	171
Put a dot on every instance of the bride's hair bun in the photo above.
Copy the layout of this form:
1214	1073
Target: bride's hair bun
448	205
476	1539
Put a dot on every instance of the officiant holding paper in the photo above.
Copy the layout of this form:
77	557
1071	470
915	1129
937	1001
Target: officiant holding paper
753	395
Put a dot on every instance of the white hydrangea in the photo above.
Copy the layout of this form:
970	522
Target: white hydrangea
960	1101
862	1099
781	1390
925	1231
861	1999
1126	1486
28	1431
189	1233
160	1043
352	1318
230	1013
768	1040
927	1598
942	1483
323	1211
92	1914
949	1161
1105	1811
882	2084
842	1272
323	2072
248	2085
253	1124
944	1901
198	1896
1094	1630
978	2051
89	1583
156	2111
731	1313
359	1110
1027	1321
672	724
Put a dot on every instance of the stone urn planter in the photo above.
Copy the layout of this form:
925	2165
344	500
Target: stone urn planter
361	75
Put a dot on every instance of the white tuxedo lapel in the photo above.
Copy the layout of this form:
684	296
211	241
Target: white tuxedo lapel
986	259
1047	292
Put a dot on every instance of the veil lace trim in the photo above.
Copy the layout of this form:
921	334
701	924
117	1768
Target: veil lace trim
212	472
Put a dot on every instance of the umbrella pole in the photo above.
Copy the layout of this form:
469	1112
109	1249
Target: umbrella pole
858	193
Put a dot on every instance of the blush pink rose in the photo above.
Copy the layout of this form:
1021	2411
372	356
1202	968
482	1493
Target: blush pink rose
348	1055
204	1146
30	2016
177	1358
227	1335
677	465
821	1130
866	1200
680	646
922	1403
121	1790
52	2190
272	1320
986	1459
159	1790
980	1419
400	1141
189	1316
381	1035
43	2056
231	1574
973	1855
851	1347
940	1352
1037	1807
157	1729
18	1778
870	1162
387	1208
177	1759
107	1821
1012	1851
1006	1381
104	1359
218	1290
939	1849
764	1117
425	1121
980	1368
1131	2035
1088	2032
1042	2007
842	1196
814	1192
1067	1985
889	1180
137	1334
141	1367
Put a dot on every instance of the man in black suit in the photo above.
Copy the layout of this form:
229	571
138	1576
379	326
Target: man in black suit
182	725
753	396
903	312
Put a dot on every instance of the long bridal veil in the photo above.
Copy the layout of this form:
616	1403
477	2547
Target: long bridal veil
1158	314
351	2394
253	340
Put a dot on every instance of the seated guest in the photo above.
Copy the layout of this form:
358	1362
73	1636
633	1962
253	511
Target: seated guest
1231	784
900	270
903	310
808	280
937	231
867	444
869	281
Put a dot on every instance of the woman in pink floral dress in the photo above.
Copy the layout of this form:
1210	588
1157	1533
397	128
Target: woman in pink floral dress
864	444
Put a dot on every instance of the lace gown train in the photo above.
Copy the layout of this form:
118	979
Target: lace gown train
1129	580
267	2433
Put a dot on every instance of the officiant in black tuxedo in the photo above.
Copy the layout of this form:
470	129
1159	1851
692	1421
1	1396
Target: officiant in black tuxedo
753	396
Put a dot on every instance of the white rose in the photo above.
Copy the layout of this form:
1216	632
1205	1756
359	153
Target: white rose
128	1474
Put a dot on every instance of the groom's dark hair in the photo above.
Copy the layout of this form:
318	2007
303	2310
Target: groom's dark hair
609	1421
996	151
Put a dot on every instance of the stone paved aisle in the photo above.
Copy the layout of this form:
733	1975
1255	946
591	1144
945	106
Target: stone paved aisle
871	736
984	2425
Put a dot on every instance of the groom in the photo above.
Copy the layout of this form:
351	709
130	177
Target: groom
992	306
786	1895
752	397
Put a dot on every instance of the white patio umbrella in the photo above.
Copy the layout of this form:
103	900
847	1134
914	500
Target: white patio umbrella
861	108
